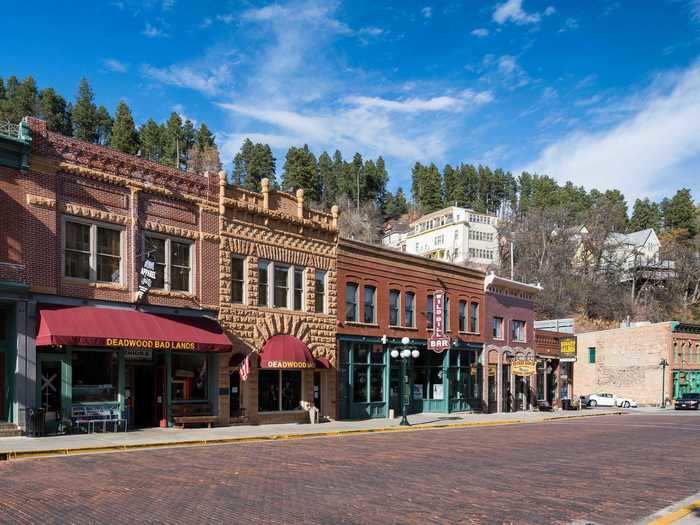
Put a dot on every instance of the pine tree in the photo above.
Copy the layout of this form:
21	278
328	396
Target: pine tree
204	137
2	90
124	136
172	141
187	141
376	184
54	110
301	171
680	214
329	183
85	119
427	187
104	123
253	163
645	214
151	140
615	208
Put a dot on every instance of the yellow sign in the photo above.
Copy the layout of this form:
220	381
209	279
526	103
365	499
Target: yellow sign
523	367
288	364
567	347
149	343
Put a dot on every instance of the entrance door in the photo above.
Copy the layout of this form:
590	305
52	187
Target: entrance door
143	395
317	390
161	390
2	384
506	393
234	404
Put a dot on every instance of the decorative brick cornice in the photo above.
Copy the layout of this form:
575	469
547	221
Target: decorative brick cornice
171	230
41	202
92	213
320	221
208	236
277	253
171	294
95	285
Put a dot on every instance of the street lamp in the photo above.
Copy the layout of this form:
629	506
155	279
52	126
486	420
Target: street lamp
405	354
663	364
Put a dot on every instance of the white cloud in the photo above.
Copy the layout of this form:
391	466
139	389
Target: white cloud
207	81
152	32
427	12
205	23
639	153
480	32
416	105
549	11
570	24
694	9
504	70
115	65
371	31
512	11
225	18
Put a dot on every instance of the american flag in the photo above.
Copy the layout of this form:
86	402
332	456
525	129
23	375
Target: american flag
245	368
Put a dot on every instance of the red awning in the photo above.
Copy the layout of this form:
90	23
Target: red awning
286	351
113	327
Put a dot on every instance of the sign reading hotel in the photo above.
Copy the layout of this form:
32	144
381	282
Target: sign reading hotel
523	367
567	350
438	342
149	344
148	275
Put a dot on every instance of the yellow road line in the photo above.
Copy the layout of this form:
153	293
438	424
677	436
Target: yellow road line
677	514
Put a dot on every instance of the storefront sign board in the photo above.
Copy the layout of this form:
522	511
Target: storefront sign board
523	367
438	342
126	342
147	276
138	354
437	392
567	348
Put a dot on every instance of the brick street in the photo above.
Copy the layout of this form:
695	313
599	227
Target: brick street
607	470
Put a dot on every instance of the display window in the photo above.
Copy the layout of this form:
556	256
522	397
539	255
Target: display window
190	377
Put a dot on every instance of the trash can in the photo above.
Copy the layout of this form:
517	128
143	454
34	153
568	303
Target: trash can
566	404
35	422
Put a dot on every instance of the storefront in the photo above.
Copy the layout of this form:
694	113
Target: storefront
128	364
370	378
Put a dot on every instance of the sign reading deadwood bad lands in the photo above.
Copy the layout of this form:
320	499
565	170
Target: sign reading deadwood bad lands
149	343
523	367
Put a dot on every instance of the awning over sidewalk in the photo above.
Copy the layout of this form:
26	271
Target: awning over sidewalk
286	352
113	327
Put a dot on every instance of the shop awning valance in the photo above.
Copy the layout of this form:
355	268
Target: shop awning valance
114	327
286	352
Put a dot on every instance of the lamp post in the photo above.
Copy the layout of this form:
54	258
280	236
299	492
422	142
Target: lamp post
405	354
663	364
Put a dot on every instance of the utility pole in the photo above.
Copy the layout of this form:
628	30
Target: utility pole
357	177
512	265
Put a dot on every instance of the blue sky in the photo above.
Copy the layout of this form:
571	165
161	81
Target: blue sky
605	93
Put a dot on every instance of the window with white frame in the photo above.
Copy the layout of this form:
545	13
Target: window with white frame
92	252
173	262
518	330
280	285
238	279
320	292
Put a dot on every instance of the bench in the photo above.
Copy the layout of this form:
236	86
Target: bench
192	414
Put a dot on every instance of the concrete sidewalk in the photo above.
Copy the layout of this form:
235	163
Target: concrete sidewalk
26	447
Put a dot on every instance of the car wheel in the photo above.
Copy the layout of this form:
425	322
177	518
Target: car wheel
626	404
593	403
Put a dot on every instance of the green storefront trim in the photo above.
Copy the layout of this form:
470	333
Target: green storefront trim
685	382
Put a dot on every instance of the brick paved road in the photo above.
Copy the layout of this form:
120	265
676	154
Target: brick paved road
610	469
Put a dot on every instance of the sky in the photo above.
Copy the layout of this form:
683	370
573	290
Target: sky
605	93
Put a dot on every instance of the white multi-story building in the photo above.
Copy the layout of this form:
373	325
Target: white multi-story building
458	235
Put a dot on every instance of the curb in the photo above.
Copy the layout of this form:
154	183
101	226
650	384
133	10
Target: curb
675	512
61	452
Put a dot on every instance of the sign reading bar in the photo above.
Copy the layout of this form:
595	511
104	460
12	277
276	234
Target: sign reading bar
567	348
149	344
523	367
438	342
148	275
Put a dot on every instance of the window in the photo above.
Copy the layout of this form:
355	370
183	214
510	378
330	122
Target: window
173	263
369	306
237	280
92	252
428	377
498	327
281	286
320	292
351	302
429	319
465	376
591	354
279	390
474	318
409	307
263	295
298	288
190	377
94	377
366	371
394	307
463	316
518	330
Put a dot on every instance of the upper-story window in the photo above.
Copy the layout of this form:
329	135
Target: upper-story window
463	316
518	330
92	252
351	302
394	307
446	313
173	262
474	318
429	319
498	328
439	240
409	309
280	285
320	292
237	279
370	295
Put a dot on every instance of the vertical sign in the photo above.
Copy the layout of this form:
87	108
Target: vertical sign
148	275
438	342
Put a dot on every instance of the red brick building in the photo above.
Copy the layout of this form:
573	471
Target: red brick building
556	354
385	296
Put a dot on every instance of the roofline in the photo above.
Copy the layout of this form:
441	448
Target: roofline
495	280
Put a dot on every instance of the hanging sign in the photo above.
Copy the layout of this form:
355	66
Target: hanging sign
147	276
523	367
567	349
438	342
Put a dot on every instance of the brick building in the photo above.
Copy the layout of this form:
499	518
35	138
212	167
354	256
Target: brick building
510	335
385	296
556	354
78	222
627	362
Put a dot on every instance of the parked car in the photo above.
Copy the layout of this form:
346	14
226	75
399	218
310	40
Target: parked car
688	402
609	400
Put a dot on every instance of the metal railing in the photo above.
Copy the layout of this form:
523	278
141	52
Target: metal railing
9	129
